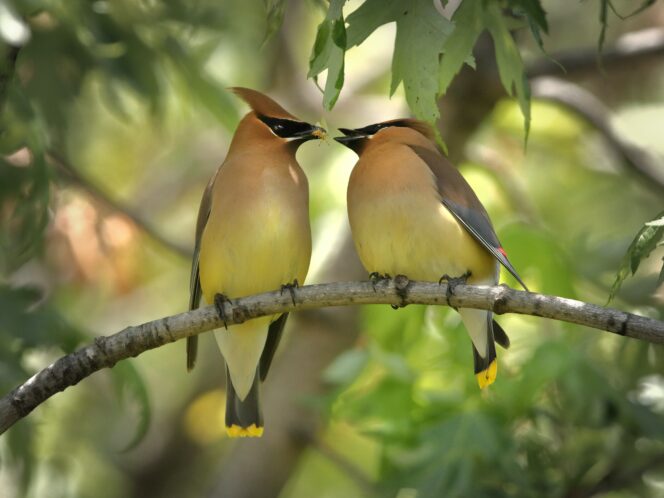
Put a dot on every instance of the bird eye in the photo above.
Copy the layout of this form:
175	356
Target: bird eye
277	127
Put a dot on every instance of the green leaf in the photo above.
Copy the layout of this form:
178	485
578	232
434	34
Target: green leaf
201	86
335	71
130	387
25	194
27	324
395	364
458	443
320	54
643	244
329	51
470	19
325	40
604	7
533	11
458	49
421	35
646	241
656	223
389	400
638	10
536	18
275	10
346	367
510	66
368	17
551	360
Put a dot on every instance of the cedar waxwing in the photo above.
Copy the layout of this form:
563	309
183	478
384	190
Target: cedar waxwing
412	213
252	235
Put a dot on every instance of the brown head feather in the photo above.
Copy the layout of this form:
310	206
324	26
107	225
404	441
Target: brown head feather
421	126
262	104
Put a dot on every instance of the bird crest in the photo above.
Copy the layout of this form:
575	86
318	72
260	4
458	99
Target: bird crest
262	104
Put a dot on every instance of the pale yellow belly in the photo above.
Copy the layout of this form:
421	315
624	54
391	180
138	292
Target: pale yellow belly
255	251
256	239
415	236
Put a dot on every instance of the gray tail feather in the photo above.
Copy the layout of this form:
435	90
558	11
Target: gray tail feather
243	413
274	333
481	363
192	351
500	335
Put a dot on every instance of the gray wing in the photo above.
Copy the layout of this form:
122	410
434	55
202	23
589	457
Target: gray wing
195	290
458	197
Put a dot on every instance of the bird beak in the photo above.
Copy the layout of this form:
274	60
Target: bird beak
351	137
313	133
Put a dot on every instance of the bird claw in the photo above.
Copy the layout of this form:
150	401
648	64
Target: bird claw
377	278
291	289
401	283
219	300
452	283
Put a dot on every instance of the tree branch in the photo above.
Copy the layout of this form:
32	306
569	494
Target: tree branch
629	49
70	174
105	352
593	111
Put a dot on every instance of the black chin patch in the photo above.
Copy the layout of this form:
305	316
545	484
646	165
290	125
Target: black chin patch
286	128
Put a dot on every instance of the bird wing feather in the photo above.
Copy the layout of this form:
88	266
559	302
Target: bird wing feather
195	290
460	199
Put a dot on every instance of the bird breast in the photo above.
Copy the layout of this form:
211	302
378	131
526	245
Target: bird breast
400	225
258	235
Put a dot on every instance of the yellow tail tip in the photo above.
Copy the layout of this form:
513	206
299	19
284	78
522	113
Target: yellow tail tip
238	431
487	377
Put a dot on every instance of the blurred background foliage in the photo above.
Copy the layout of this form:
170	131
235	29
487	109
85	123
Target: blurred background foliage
115	114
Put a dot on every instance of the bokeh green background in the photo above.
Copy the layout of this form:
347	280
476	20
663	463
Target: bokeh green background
125	101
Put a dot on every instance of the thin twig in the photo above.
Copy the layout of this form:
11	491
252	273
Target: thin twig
588	107
70	174
629	49
132	341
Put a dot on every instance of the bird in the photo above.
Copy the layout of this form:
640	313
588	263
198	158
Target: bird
252	235
412	213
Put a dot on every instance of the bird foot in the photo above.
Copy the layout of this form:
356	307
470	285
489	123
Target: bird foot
452	283
291	289
377	278
401	283
219	300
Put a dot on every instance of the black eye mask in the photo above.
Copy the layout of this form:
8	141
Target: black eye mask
287	128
